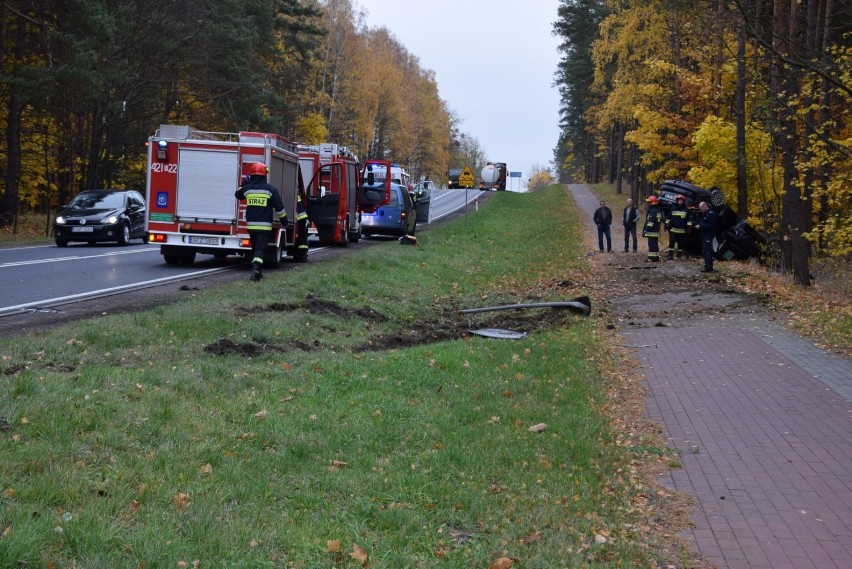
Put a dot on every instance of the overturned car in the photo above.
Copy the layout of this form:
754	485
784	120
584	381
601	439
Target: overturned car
735	239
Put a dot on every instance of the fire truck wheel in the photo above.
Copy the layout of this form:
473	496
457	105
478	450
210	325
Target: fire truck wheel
273	256
171	259
187	258
344	235
354	236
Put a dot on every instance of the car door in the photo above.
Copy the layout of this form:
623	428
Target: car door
136	212
407	207
423	203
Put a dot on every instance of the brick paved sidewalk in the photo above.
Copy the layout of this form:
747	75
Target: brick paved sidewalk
763	421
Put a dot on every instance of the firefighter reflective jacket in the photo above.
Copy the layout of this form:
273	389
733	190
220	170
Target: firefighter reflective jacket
301	212
678	220
263	204
653	221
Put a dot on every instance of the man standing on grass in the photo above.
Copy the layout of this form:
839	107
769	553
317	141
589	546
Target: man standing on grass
629	218
707	227
603	219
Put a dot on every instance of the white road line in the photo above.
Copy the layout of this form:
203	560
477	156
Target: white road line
75	257
47	302
108	291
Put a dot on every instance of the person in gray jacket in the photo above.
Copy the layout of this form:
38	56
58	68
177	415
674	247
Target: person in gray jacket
629	218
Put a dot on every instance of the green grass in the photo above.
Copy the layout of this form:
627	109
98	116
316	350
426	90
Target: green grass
130	444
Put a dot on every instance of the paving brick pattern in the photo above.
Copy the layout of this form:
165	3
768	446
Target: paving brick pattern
763	421
766	447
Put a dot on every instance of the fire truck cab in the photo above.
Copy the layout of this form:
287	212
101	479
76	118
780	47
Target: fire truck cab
191	180
331	192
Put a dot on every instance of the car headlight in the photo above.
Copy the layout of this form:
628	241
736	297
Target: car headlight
111	220
60	220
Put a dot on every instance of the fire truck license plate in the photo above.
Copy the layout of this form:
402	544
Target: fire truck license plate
204	240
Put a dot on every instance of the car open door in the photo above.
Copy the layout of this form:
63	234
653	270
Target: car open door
423	201
375	186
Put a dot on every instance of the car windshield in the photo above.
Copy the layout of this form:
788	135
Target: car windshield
94	200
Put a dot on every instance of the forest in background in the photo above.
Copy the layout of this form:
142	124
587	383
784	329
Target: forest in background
85	82
751	96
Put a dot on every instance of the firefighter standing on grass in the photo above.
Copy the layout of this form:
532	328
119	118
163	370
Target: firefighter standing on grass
301	231
263	205
677	225
651	230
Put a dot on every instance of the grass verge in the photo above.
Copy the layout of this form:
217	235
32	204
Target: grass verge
337	415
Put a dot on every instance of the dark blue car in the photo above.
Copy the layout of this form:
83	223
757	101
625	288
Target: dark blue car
102	215
397	217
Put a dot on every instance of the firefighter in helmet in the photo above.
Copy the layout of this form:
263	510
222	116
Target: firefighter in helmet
651	229
677	224
263	206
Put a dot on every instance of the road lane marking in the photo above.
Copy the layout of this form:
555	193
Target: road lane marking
75	258
6	310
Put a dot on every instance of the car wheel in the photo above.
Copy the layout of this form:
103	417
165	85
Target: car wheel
717	198
124	238
61	243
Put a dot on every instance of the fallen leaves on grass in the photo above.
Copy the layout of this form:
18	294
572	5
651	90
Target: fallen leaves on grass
181	500
360	555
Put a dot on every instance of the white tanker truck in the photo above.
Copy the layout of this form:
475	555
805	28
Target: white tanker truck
493	176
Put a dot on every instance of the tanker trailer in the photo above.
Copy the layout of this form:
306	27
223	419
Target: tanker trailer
493	177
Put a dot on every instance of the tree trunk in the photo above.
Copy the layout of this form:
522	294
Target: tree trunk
742	184
9	207
795	215
619	158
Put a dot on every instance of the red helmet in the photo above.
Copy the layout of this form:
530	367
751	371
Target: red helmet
258	169
652	200
680	198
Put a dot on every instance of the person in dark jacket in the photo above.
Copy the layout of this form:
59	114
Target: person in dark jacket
263	206
301	231
603	219
677	224
707	227
629	218
651	230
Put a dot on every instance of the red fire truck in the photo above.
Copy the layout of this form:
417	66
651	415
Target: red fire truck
332	192
192	177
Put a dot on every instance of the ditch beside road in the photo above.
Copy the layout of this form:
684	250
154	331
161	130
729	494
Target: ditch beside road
760	417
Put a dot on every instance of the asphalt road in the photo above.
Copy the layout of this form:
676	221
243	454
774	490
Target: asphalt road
46	284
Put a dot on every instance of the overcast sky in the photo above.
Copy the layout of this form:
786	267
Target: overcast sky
494	62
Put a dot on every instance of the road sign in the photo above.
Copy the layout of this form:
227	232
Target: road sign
514	174
466	179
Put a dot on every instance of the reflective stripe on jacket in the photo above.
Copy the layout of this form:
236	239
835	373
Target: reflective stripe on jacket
678	220
301	213
653	221
263	204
